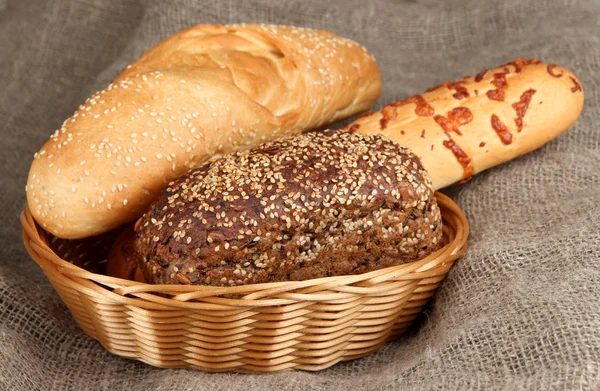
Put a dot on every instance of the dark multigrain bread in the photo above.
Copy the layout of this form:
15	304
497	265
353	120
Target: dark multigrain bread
315	205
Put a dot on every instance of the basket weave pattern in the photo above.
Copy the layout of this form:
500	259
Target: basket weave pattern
307	325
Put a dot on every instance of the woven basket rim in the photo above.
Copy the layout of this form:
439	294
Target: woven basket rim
152	296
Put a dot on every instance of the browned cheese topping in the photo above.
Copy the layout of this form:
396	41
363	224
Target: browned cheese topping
451	123
520	63
458	86
501	130
479	77
552	72
521	107
499	82
354	128
576	86
389	112
315	205
499	78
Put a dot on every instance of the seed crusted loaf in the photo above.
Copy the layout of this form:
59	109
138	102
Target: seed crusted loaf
314	205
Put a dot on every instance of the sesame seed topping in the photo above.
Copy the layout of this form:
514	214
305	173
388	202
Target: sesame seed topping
295	200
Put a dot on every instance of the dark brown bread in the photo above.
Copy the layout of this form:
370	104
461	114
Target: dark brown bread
315	205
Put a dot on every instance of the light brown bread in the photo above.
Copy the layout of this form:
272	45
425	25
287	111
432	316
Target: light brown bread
461	128
205	91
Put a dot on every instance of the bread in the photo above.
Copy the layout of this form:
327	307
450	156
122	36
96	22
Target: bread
204	91
122	261
461	128
314	205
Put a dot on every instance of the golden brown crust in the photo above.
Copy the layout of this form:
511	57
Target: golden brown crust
461	128
204	91
313	205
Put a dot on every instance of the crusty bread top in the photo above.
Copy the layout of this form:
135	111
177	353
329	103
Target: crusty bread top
312	205
204	91
307	78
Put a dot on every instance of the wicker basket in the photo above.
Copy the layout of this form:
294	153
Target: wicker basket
272	327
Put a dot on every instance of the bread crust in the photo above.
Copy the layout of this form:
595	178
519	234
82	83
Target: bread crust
461	128
204	91
122	261
314	205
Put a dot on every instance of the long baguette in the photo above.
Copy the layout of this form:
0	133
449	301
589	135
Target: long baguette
207	90
461	128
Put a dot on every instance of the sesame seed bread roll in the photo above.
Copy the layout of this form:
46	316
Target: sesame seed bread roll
461	128
205	91
313	205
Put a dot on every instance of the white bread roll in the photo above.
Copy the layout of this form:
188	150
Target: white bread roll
461	128
205	91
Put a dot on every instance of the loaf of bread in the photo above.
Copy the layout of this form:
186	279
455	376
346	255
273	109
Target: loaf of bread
207	90
313	205
122	260
463	127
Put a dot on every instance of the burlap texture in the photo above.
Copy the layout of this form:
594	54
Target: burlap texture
520	311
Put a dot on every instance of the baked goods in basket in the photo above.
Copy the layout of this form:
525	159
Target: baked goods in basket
344	204
315	205
223	224
303	207
204	91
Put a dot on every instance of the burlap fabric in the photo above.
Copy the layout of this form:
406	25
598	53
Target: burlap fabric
520	311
